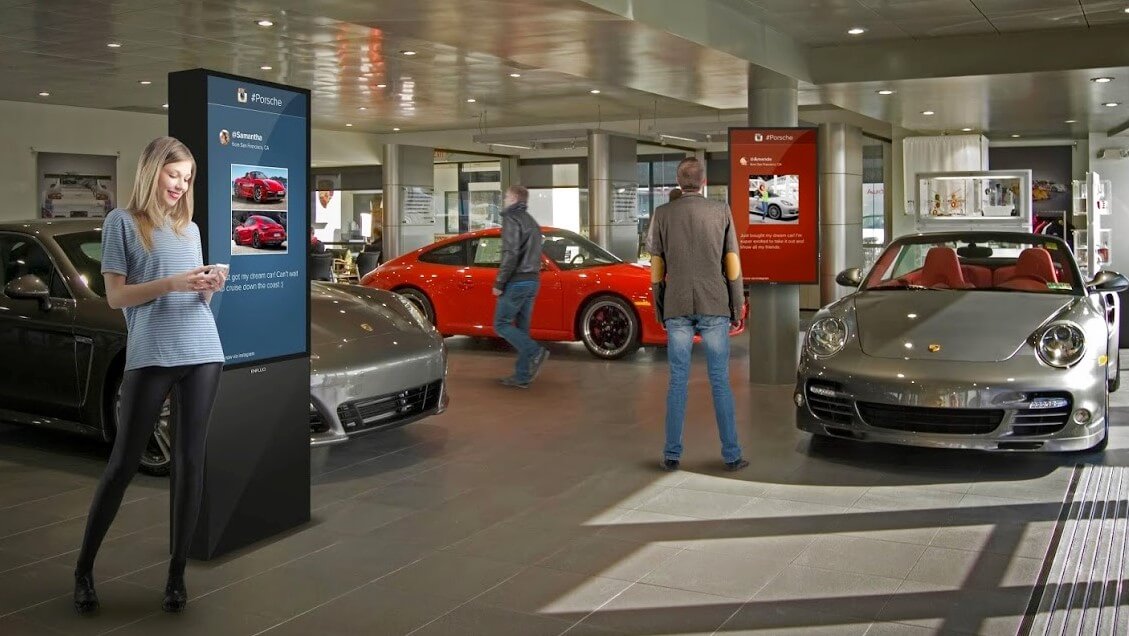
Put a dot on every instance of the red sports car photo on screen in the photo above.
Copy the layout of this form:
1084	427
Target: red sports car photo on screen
586	294
257	187
259	231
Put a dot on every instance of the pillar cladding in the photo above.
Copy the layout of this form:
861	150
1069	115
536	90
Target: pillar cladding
840	205
406	169
774	310
611	168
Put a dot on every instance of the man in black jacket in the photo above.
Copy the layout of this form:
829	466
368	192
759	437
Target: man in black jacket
519	277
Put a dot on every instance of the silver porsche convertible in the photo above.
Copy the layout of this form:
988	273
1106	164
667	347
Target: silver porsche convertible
981	340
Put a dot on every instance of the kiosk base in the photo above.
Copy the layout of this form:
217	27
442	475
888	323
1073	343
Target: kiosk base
257	472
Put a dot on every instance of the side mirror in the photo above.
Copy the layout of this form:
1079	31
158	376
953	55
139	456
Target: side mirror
30	287
1109	281
850	277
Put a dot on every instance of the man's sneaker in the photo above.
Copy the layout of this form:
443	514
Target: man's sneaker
537	362
669	465
737	465
514	382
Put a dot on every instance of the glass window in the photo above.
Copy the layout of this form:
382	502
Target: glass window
572	251
84	251
453	254
23	256
487	251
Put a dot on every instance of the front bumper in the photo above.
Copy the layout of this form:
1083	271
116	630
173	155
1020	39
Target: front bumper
1015	405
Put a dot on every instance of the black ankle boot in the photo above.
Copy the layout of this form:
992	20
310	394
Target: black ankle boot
176	596
85	598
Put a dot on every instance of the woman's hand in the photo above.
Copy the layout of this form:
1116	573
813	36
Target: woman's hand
217	278
194	280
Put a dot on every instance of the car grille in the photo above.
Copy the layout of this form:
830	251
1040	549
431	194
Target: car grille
917	419
1045	421
831	408
389	410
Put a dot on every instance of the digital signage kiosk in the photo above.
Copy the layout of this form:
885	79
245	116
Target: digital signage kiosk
251	140
774	199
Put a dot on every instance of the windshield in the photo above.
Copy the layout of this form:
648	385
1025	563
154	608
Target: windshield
572	251
974	262
84	251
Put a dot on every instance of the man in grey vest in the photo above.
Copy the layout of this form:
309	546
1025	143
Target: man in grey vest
697	288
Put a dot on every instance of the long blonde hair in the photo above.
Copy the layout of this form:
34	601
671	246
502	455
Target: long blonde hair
145	202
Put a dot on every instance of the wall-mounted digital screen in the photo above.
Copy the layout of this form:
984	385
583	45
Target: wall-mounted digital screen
258	217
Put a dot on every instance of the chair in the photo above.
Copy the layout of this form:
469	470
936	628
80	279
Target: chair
321	267
366	262
1034	269
942	269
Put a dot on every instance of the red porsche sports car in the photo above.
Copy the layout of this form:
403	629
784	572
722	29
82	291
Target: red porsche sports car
259	231
258	187
586	294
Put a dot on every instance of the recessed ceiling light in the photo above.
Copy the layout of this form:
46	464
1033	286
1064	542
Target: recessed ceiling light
348	125
362	108
1071	121
1127	10
471	100
856	31
1015	136
408	53
395	130
144	82
885	91
928	112
1111	104
266	67
966	130
114	45
382	86
265	23
164	105
595	91
515	75
44	94
1101	80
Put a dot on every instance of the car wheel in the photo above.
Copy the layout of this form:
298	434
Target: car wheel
609	328
258	194
157	458
255	242
774	212
420	300
235	191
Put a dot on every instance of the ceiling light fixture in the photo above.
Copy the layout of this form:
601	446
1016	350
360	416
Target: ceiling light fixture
885	91
144	82
408	53
382	86
471	100
114	45
164	105
265	23
266	67
664	136
856	31
1071	121
395	130
1016	136
44	94
1101	80
966	130
515	75
511	146
595	91
348	125
928	112
1111	104
362	108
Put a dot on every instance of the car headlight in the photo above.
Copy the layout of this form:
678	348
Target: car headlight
1061	344
415	313
827	337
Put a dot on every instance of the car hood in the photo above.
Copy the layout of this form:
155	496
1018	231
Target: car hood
965	326
346	314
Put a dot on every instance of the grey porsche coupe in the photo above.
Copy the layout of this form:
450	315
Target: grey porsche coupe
376	361
981	340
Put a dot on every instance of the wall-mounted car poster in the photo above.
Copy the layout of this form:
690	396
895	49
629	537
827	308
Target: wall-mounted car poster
75	186
774	199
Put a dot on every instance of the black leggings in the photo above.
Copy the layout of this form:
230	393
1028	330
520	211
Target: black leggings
143	394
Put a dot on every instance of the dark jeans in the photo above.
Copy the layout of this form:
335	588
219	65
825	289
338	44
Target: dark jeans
512	317
680	341
143	394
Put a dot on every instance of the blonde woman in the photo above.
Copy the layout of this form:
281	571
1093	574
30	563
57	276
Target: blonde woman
152	265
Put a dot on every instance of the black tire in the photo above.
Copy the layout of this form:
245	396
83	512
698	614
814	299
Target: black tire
255	243
257	194
774	212
157	458
609	328
235	191
420	300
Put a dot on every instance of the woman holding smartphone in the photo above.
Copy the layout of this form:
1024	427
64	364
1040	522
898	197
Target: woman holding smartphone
153	268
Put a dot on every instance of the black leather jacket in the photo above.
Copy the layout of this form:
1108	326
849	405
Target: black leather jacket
521	247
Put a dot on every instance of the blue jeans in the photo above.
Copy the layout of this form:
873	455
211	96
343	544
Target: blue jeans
512	317
680	340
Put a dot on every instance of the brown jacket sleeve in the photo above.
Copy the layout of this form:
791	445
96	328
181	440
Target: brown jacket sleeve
735	282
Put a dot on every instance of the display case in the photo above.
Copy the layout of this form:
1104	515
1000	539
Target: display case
989	199
1092	239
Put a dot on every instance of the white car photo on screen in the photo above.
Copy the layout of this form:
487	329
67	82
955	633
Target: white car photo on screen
774	198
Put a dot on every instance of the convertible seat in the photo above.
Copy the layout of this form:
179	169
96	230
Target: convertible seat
1033	270
942	270
977	275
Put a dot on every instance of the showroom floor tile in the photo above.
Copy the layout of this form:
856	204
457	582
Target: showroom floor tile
543	512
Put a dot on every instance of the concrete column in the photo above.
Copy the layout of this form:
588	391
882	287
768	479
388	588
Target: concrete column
511	172
411	166
840	205
774	310
611	162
